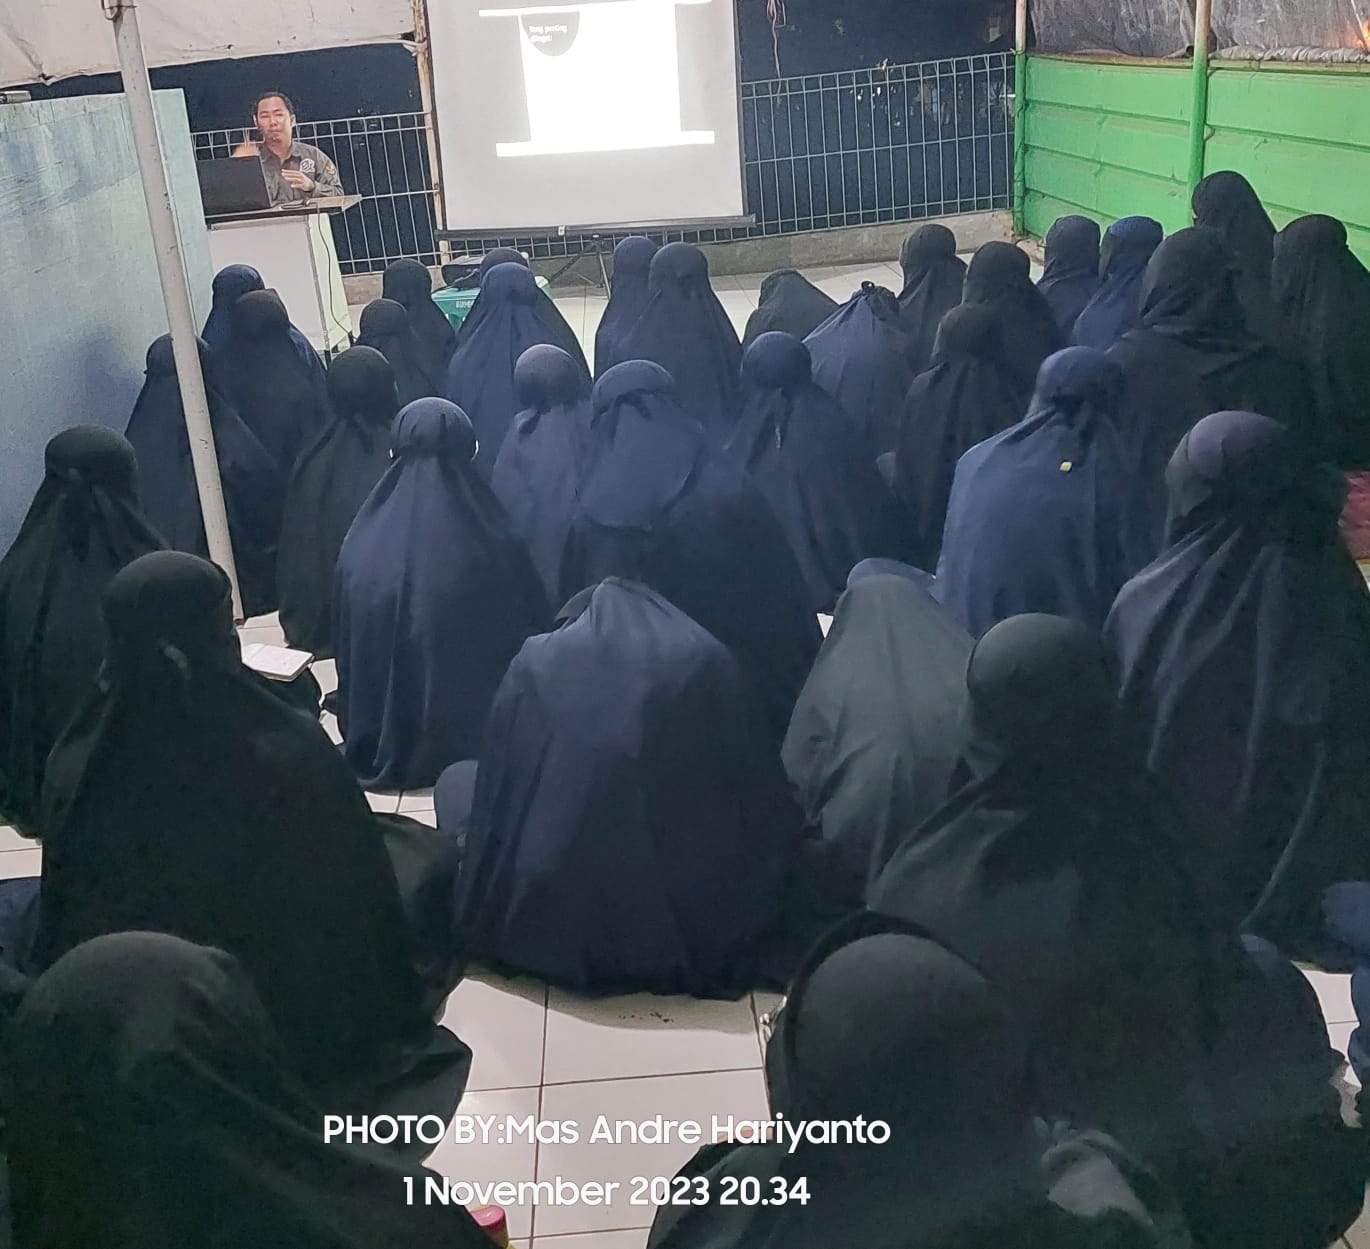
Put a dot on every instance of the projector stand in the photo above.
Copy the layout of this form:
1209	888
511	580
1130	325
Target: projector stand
597	250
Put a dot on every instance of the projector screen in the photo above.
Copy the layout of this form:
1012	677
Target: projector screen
586	113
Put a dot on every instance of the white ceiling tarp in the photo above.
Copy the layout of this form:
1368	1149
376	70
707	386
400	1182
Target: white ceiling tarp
43	40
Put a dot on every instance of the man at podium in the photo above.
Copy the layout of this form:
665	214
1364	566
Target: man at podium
293	171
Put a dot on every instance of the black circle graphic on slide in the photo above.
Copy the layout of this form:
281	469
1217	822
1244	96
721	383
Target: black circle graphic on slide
552	34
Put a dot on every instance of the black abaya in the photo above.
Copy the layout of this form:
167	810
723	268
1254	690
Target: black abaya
279	399
1000	279
1323	292
230	285
385	326
1227	204
934	282
410	284
628	296
885	1025
83	526
151	1107
254	486
187	799
813	466
874	734
969	394
788	304
331	482
1070	273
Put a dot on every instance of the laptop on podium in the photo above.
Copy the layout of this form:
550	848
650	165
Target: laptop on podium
235	184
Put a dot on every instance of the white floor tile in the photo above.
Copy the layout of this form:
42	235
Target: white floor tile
429	817
634	1239
503	1021
824	623
697	1098
17	863
644	1035
739	306
386	804
326	674
1339	1036
415	800
1358	1235
764	1007
10	839
506	1157
1334	995
330	726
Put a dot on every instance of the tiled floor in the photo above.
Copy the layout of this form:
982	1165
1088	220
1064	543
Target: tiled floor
545	1056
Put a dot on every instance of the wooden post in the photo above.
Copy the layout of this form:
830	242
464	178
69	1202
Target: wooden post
1020	108
424	62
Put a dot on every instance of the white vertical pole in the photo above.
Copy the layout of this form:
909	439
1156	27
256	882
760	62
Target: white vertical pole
175	291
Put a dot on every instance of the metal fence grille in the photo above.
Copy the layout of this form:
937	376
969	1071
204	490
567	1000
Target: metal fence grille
861	147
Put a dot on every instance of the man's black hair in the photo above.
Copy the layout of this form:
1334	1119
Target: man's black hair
274	95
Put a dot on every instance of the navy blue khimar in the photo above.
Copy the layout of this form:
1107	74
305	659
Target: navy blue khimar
434	595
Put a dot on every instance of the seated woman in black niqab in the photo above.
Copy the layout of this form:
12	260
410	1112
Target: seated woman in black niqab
331	481
1070	269
539	465
658	505
1226	203
140	1057
969	394
934	281
628	296
385	326
813	466
1000	278
1194	354
188	799
435	594
624	759
254	486
885	1026
1063	872
84	525
410	284
278	397
685	330
788	303
1323	293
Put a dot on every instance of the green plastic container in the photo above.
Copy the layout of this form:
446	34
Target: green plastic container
456	305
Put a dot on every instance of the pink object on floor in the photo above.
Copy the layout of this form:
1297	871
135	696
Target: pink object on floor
1355	516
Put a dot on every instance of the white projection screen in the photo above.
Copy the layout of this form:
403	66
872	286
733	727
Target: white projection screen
586	113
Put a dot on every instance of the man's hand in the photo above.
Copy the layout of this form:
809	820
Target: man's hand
298	181
246	149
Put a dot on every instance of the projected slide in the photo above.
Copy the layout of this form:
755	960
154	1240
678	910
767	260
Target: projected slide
584	113
599	77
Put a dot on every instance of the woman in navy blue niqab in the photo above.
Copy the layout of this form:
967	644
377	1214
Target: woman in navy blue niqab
861	358
480	379
814	468
1070	275
1000	278
1227	203
659	506
623	762
230	285
385	327
969	394
409	283
1323	293
1116	306
934	281
254	486
331	482
281	401
539	464
434	596
1046	517
1245	658
628	296
685	330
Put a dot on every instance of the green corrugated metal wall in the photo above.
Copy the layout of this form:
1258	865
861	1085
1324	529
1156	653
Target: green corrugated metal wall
1107	139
